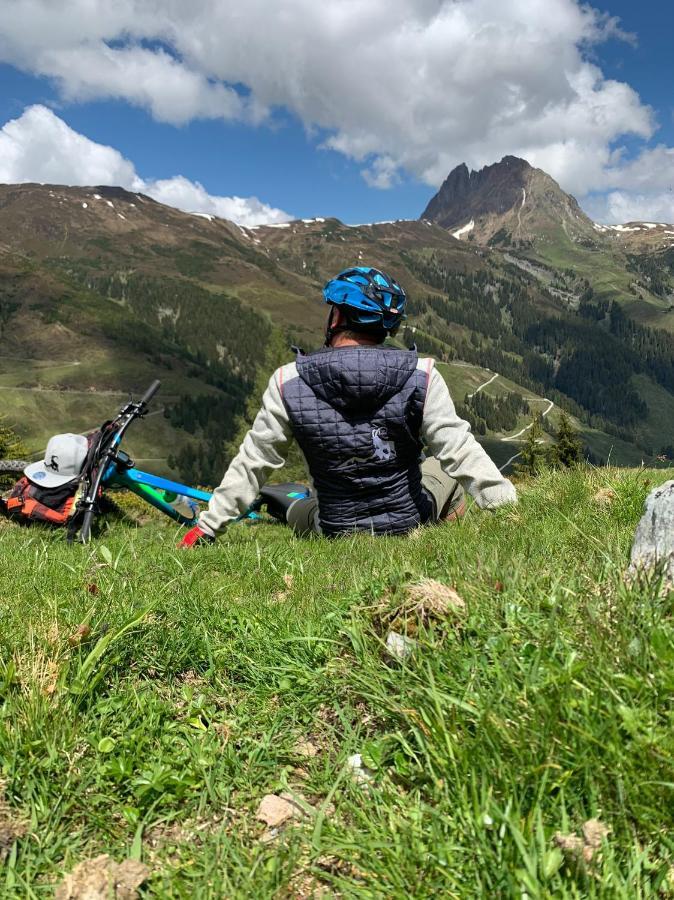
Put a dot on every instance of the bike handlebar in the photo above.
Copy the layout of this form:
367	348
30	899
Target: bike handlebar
150	392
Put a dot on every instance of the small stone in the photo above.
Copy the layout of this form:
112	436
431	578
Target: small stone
399	645
275	811
361	774
269	835
102	878
305	749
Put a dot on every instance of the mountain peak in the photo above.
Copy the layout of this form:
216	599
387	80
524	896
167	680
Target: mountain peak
508	202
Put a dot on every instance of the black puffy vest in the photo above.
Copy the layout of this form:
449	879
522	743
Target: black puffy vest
356	413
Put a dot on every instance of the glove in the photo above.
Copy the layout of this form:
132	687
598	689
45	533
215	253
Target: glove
194	537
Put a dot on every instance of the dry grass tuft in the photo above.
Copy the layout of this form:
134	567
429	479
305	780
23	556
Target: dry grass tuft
102	878
418	604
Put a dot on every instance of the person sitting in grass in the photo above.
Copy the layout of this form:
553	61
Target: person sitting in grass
362	414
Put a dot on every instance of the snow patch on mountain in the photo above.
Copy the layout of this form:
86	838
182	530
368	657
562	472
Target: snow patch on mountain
469	227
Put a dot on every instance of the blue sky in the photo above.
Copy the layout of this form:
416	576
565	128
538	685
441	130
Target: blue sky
378	134
279	164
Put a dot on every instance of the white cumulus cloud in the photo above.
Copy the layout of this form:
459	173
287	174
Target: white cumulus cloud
41	147
193	197
396	85
629	206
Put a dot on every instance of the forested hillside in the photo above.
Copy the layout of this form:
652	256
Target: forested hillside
102	290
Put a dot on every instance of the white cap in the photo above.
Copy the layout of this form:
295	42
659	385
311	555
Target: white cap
63	461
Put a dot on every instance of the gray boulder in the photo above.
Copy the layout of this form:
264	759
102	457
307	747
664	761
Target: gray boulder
654	539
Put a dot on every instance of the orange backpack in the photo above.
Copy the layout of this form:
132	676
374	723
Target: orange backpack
31	503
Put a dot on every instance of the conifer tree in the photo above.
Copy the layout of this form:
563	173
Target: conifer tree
568	449
533	457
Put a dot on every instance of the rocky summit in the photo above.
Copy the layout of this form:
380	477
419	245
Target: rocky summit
509	203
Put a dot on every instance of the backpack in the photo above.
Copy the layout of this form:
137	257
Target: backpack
30	503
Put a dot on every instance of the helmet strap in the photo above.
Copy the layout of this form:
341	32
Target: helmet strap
331	329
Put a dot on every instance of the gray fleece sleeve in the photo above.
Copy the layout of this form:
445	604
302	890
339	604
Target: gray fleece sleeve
449	439
261	452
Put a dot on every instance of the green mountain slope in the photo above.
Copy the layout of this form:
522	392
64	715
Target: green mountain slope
517	208
102	290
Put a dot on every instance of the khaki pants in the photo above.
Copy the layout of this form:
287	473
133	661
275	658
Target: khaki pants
446	495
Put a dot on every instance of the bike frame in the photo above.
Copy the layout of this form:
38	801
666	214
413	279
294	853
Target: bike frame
111	467
151	488
114	467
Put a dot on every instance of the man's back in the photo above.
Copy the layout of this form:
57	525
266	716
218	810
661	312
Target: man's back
356	413
362	414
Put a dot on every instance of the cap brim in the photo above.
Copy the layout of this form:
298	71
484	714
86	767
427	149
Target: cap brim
41	476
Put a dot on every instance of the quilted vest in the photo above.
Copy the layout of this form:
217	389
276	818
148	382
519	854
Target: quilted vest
356	413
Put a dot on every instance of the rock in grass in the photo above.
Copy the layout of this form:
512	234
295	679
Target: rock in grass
276	810
654	539
305	749
399	645
102	879
582	850
11	827
361	774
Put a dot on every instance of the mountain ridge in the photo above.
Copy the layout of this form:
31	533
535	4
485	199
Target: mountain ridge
509	202
494	195
105	289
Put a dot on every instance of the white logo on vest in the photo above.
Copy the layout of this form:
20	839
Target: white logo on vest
384	450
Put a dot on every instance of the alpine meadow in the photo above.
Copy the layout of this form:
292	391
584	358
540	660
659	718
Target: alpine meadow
336	560
152	699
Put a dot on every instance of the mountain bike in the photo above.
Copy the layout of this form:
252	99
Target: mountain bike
108	466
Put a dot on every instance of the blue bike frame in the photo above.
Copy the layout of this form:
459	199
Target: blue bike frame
154	490
114	468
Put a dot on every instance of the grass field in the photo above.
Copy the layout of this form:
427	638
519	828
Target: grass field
150	698
39	398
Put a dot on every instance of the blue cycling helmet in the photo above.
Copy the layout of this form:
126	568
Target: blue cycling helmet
370	299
